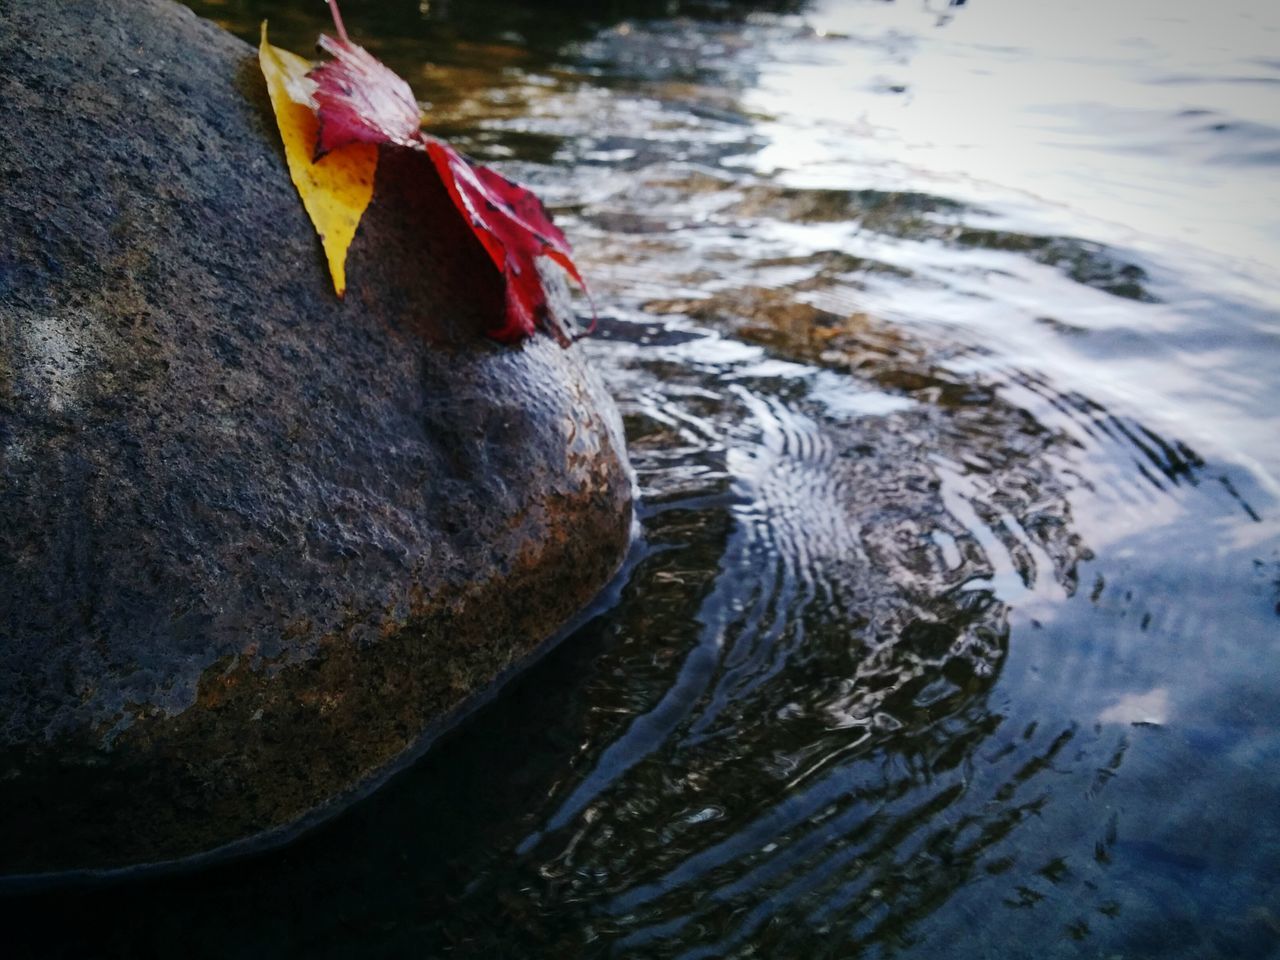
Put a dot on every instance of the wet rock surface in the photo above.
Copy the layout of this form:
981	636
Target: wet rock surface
255	542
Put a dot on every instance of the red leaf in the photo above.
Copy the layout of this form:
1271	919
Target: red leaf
360	100
515	230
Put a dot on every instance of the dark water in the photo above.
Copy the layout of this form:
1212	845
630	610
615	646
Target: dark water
947	340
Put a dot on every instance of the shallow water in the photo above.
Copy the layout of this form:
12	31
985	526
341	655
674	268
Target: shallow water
947	340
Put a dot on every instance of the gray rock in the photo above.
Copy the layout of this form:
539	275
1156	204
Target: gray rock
256	543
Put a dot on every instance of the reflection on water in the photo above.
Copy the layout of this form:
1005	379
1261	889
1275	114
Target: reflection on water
954	629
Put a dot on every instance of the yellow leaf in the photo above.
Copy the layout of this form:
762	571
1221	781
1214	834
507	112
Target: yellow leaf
335	189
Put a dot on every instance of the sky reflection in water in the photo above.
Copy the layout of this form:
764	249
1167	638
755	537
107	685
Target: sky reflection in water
946	340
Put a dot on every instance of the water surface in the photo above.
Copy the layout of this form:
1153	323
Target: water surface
946	339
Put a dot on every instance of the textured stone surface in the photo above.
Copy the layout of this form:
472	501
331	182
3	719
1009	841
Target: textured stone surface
254	541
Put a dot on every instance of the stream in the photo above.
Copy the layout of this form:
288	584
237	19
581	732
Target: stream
947	340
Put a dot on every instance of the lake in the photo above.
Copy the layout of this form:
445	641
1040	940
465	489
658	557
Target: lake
947	339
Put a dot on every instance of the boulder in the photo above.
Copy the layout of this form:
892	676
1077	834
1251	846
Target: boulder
257	544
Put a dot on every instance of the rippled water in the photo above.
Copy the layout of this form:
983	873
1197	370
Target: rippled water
947	339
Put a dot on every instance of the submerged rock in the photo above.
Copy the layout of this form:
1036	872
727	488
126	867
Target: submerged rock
255	543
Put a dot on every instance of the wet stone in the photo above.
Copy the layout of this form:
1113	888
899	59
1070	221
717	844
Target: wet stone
255	542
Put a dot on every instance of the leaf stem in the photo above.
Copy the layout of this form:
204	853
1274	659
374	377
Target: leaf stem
337	20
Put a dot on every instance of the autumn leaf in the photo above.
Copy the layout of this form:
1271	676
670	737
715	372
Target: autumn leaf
335	188
358	100
515	229
334	118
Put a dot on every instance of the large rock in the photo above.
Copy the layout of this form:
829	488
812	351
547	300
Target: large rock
255	543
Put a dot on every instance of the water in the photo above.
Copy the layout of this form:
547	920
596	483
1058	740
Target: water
946	339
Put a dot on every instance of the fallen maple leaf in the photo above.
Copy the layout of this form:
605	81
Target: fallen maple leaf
353	104
358	99
515	229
